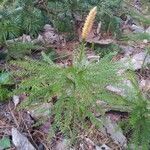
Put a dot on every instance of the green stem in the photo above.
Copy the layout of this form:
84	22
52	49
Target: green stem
142	68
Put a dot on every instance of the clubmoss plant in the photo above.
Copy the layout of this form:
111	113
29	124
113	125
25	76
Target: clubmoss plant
72	90
139	118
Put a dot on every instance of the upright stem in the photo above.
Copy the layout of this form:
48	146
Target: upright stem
81	52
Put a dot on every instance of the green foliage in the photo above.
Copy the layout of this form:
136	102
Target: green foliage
8	28
19	49
141	17
4	143
111	24
136	37
30	19
139	36
106	8
76	87
72	90
19	18
137	126
4	80
105	50
51	54
28	16
109	13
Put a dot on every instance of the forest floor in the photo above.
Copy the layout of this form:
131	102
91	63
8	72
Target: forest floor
107	138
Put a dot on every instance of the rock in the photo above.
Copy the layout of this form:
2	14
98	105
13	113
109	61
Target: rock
116	90
63	145
97	148
145	41
137	29
52	38
48	27
96	40
49	36
16	100
26	38
39	40
42	110
103	147
23	38
115	132
20	141
145	85
93	58
127	50
148	30
136	61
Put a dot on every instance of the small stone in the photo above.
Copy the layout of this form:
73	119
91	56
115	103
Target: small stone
63	145
20	141
145	85
127	50
137	29
43	110
48	27
148	30
16	100
136	61
103	147
116	90
145	41
115	132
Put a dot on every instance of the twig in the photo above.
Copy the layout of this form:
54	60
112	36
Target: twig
13	116
29	133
